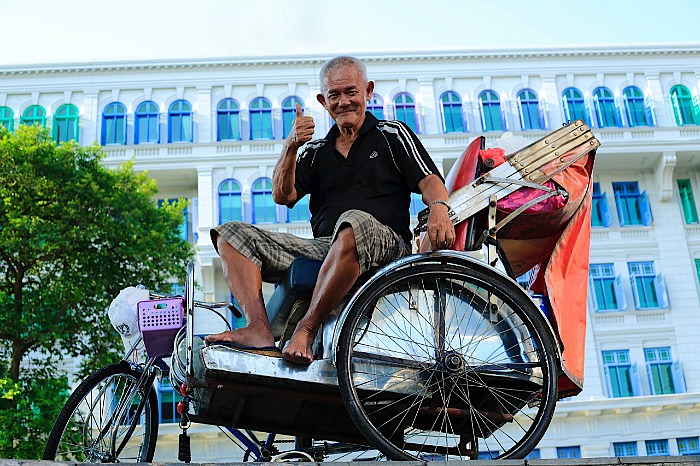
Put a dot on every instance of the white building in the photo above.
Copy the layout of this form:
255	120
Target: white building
211	131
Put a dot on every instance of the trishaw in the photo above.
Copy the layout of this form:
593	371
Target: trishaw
437	356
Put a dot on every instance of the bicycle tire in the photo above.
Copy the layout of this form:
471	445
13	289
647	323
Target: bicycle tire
428	372
79	434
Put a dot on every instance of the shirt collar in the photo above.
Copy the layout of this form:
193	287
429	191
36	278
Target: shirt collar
369	123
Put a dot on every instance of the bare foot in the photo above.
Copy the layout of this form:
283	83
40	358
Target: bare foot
243	337
299	348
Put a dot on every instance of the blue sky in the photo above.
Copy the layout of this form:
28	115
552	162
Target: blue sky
58	31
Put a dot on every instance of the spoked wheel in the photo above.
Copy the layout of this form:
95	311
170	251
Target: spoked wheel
101	423
441	361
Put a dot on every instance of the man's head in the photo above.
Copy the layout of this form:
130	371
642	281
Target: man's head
345	91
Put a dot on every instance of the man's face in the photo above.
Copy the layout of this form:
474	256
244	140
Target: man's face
344	95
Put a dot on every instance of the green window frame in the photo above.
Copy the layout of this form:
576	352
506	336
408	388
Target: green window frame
690	212
688	446
657	447
491	116
264	208
452	112
622	449
7	118
660	370
686	107
34	115
65	123
260	112
619	373
230	201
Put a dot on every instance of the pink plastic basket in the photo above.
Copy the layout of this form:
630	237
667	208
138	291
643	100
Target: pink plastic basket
159	321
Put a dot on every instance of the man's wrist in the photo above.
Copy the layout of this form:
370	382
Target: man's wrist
439	201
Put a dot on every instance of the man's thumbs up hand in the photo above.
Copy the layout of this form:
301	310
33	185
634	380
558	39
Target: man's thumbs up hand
302	130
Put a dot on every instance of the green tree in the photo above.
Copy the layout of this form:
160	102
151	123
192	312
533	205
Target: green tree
73	233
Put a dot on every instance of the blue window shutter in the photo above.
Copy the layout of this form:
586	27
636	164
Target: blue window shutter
618	112
483	117
620	294
649	110
520	114
635	293
587	113
696	109
605	210
544	123
635	381
567	113
598	112
606	370
644	209
620	213
678	378
660	288
591	294
677	109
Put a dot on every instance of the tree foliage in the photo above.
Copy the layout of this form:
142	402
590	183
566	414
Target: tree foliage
73	233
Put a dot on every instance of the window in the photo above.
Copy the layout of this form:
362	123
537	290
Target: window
606	111
230	202
260	119
488	454
147	124
491	118
289	112
607	293
406	110
632	206
180	122
529	107
228	122
416	204
657	447
114	124
621	375
688	446
7	118
300	211
625	449
600	215
686	108
648	288
452	112
568	452
263	205
665	375
637	107
533	455
65	123
690	213
575	107
168	400
375	106
34	115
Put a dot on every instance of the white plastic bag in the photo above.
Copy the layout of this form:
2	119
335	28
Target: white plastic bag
123	314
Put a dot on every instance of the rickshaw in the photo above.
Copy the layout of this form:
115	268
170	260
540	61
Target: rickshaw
437	356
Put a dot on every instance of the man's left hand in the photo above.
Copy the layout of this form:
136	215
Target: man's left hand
441	232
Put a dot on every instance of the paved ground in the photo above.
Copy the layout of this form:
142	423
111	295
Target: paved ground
632	461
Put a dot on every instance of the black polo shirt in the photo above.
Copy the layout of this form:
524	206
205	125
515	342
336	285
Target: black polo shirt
383	167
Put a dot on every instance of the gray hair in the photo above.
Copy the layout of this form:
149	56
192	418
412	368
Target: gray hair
338	62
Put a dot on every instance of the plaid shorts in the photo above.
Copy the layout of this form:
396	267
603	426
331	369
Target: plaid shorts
273	252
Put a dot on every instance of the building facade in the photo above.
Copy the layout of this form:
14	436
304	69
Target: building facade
210	131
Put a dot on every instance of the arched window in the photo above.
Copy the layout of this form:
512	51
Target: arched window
263	205
529	107
7	118
228	120
375	106
180	122
65	123
574	105
260	119
638	113
452	112
289	112
230	201
406	110
300	211
685	107
605	109
147	125
416	204
114	124
34	115
491	117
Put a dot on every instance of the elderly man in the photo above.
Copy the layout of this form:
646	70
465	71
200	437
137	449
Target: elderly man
359	179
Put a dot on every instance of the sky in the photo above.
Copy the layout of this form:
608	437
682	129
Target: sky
91	31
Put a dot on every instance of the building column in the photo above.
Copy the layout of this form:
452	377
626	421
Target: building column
554	113
90	118
203	116
661	106
205	195
426	107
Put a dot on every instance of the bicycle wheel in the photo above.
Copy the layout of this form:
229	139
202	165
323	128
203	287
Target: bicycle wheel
441	360
99	424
